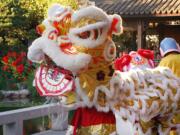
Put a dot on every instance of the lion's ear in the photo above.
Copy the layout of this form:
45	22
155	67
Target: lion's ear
116	24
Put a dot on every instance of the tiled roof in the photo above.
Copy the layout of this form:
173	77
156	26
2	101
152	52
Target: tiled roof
141	8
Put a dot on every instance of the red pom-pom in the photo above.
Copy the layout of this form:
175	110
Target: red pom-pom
121	62
149	54
40	29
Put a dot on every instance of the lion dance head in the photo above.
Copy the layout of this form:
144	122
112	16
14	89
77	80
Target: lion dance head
72	42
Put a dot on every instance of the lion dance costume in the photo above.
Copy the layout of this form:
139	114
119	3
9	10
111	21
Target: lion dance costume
76	53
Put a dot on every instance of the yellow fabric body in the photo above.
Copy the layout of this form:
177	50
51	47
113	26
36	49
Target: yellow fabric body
70	97
164	123
172	61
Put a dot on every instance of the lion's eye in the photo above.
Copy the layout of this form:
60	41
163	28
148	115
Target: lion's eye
95	34
84	35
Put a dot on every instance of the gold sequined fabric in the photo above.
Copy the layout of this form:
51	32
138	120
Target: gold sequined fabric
99	72
101	129
95	77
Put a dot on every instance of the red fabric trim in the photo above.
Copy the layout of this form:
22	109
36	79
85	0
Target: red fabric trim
113	25
122	61
76	119
46	89
38	90
149	54
38	80
39	30
90	116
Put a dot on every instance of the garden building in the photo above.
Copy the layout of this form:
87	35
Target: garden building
148	21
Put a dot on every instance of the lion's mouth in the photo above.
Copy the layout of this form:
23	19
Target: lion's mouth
51	64
52	80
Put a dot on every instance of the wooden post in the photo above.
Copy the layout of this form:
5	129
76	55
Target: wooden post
139	34
15	128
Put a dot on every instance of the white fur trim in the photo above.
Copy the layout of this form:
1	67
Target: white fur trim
108	46
57	9
103	22
82	94
123	127
48	27
35	53
158	78
90	12
88	27
118	26
43	46
70	130
95	99
59	18
54	8
88	43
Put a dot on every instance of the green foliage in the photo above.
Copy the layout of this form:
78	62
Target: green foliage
7	82
36	125
126	41
30	86
72	3
18	20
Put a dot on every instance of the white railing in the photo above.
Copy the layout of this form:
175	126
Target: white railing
12	121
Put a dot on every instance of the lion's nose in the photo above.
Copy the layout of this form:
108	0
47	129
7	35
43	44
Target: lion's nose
66	46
